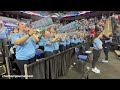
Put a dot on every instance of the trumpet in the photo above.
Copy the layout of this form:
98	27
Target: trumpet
39	33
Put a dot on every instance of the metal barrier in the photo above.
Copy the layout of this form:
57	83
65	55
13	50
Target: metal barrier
52	67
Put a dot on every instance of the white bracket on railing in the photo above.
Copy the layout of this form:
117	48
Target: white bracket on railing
25	69
7	65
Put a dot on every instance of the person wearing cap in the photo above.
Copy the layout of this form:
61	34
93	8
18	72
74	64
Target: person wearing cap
3	41
97	44
25	41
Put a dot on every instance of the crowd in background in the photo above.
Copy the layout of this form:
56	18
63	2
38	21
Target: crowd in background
116	27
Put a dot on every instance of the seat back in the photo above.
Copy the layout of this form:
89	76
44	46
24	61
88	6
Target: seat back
76	50
83	57
39	52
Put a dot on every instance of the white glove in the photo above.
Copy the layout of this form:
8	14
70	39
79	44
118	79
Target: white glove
11	50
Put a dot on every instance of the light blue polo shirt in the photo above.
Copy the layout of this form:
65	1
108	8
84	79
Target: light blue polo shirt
35	45
68	40
96	43
12	42
83	28
62	42
26	50
81	40
4	32
40	43
76	40
56	44
72	40
43	42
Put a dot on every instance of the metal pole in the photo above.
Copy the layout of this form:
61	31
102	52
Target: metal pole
25	69
7	65
108	23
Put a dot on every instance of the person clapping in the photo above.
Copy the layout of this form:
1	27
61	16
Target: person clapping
24	41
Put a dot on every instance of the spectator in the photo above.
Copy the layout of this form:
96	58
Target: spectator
12	49
39	43
24	41
62	46
78	38
72	42
75	39
106	47
82	38
46	41
92	32
67	42
12	46
54	34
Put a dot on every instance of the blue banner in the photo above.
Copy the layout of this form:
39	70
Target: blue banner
69	26
42	22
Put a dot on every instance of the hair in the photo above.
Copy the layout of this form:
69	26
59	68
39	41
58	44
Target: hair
18	23
2	24
110	35
48	29
15	28
97	33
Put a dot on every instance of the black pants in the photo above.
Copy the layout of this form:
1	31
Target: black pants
76	44
48	53
56	51
79	43
67	46
106	51
4	49
20	64
72	52
48	65
96	55
72	44
62	48
41	47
